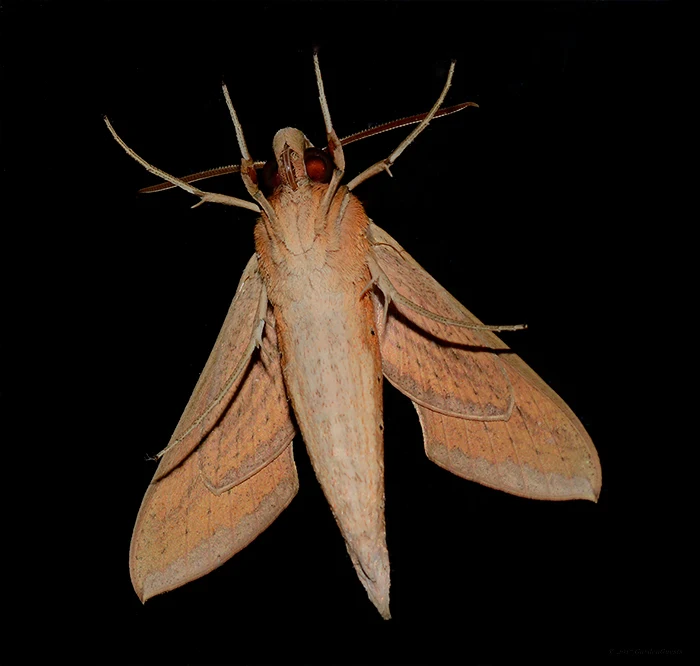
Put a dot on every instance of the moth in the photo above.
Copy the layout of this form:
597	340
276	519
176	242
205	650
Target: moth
328	306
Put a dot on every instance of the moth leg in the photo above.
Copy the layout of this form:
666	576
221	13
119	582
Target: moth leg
258	335
374	281
382	281
255	343
212	197
250	179
368	287
335	148
385	164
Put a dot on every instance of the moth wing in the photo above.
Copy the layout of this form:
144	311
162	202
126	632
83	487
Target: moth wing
212	394
486	415
238	480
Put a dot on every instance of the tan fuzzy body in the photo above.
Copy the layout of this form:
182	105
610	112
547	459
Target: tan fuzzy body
331	364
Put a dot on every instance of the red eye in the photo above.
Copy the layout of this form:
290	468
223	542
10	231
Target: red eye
270	176
319	167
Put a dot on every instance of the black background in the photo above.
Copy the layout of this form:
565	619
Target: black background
548	205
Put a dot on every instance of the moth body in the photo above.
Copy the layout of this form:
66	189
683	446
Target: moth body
332	365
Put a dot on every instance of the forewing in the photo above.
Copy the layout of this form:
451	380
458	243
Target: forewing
256	427
231	354
438	366
486	415
227	492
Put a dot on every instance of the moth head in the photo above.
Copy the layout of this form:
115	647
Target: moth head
296	160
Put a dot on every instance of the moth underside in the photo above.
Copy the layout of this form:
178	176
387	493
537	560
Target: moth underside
329	305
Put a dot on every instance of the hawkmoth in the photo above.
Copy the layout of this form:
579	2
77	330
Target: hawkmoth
328	306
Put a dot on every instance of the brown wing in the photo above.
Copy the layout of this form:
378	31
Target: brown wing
256	427
219	498
436	365
231	354
486	415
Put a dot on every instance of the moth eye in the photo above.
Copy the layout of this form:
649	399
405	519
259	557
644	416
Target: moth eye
270	176
318	165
